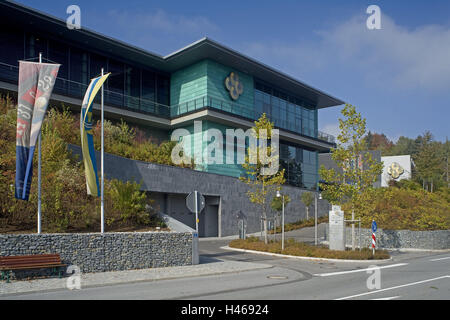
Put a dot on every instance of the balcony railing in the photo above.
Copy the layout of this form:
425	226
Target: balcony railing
75	89
246	112
325	137
10	73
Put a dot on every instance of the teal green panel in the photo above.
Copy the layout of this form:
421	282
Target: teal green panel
186	85
217	73
203	84
234	170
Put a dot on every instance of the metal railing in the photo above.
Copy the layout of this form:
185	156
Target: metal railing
75	89
246	112
326	137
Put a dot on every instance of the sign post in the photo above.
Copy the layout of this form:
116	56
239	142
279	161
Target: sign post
374	239
39	171
195	202
196	211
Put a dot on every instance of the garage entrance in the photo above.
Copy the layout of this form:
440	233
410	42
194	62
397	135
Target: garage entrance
174	205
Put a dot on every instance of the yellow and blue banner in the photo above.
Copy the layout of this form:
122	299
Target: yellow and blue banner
87	141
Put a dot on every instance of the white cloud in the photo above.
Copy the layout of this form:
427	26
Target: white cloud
331	128
394	57
152	29
161	21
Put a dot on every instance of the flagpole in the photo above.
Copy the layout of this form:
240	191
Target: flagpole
102	208
39	172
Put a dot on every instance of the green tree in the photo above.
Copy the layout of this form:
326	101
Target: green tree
376	141
403	146
445	163
358	172
307	198
277	203
259	161
428	161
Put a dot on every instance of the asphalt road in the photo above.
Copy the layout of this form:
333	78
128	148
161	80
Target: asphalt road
407	276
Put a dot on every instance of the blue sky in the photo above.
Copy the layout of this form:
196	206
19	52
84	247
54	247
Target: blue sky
398	77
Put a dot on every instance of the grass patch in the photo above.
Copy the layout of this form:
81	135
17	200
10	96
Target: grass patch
294	248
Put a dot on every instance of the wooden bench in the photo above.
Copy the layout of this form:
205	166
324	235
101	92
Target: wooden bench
37	261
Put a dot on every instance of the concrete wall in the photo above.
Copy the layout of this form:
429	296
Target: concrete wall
179	181
429	240
95	252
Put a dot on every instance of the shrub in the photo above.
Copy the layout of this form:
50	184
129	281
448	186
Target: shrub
129	201
66	207
404	208
295	248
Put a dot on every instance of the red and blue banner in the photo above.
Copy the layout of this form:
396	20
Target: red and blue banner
36	81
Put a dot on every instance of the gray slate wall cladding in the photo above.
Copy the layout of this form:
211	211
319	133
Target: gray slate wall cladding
390	239
94	252
168	179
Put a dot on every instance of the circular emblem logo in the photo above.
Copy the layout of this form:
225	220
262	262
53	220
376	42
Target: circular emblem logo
234	86
395	170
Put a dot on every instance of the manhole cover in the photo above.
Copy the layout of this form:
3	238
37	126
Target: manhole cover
277	277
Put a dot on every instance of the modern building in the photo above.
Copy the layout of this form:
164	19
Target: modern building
203	81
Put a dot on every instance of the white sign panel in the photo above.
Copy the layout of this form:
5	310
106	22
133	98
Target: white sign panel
336	228
395	168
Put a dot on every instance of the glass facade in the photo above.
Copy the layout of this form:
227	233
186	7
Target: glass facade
286	111
138	89
300	166
128	86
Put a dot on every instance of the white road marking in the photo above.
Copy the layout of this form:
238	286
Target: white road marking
440	259
392	288
358	270
387	298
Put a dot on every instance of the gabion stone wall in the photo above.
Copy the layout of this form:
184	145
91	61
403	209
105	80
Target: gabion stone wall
396	239
95	252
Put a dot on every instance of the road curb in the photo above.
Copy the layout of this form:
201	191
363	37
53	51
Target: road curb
402	249
304	258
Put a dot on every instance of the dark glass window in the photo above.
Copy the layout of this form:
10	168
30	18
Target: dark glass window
35	45
96	63
59	53
300	166
128	86
132	87
163	90
79	72
162	95
115	84
11	46
11	50
148	91
285	110
258	103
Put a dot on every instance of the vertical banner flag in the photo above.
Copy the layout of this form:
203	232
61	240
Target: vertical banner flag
36	81
87	141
